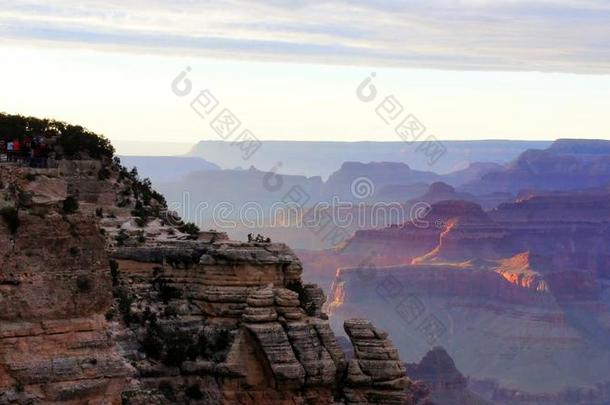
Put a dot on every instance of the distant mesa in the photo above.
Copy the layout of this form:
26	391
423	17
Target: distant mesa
440	191
446	384
566	165
315	158
580	146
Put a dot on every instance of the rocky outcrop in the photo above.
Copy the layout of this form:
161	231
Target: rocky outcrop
444	381
105	300
440	191
375	374
278	345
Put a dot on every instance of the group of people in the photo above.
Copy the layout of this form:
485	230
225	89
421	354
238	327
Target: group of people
31	150
259	238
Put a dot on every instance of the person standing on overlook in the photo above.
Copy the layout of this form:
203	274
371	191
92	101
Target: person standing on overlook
3	157
9	150
16	149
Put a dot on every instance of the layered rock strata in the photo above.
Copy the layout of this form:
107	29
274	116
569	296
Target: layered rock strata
104	300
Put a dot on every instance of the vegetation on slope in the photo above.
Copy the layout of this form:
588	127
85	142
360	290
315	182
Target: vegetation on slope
70	141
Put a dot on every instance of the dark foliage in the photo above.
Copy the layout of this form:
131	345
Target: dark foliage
11	217
172	347
214	346
191	229
166	388
74	140
122	237
69	205
103	174
142	188
152	344
179	346
141	221
84	283
114	271
193	392
124	300
168	292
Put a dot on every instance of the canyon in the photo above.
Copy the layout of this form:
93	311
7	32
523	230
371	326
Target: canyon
107	298
518	294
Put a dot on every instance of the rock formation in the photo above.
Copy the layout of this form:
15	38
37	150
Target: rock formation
447	385
375	374
106	298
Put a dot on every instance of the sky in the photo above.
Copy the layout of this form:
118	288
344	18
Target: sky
290	70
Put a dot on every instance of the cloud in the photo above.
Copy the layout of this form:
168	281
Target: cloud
541	35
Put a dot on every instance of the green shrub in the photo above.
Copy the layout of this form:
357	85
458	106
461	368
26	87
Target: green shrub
141	221
70	205
11	217
84	283
166	388
114	271
124	300
103	174
214	345
142	189
168	292
152	344
190	229
194	392
76	141
170	311
121	238
179	346
124	202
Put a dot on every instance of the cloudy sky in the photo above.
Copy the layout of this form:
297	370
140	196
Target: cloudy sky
468	69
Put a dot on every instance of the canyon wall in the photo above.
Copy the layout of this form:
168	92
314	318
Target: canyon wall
517	295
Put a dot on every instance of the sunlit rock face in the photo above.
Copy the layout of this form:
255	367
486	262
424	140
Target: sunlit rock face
517	295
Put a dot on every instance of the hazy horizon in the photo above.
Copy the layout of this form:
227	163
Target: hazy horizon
177	149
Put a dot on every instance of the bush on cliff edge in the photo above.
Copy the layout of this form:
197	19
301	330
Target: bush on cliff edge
11	217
